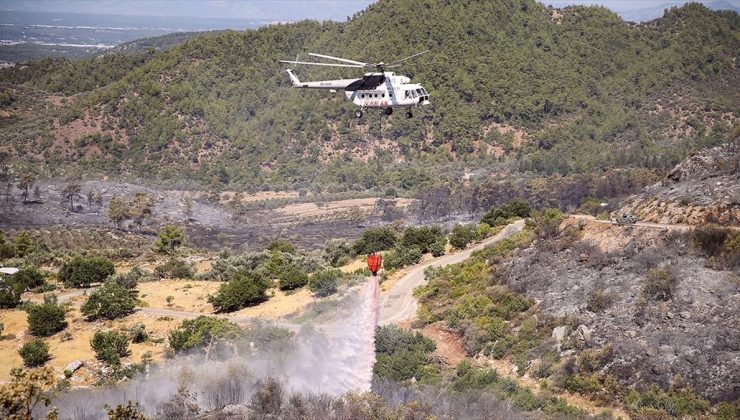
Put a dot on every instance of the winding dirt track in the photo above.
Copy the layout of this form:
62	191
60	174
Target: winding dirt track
398	303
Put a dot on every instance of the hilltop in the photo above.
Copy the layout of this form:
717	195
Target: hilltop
516	87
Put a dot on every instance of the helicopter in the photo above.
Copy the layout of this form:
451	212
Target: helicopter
384	90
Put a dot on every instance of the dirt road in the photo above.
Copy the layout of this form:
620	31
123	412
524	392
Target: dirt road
398	303
651	225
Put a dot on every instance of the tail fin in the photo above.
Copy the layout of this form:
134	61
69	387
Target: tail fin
294	78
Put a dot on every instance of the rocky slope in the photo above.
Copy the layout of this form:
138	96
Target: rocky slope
704	188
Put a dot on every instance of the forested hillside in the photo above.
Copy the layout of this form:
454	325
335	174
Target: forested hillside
516	88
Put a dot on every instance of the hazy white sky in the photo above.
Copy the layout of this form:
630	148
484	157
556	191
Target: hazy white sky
298	9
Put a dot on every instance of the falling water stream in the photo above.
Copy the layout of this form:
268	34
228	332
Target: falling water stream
332	356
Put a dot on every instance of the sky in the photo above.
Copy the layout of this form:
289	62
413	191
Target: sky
291	10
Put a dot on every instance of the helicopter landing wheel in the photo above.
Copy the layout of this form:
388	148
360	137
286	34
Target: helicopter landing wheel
358	113
409	114
388	111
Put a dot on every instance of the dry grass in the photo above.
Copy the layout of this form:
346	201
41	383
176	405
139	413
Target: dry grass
188	295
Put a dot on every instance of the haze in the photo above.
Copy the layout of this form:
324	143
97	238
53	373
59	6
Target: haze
635	10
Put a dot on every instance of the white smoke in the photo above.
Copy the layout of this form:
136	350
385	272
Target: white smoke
331	356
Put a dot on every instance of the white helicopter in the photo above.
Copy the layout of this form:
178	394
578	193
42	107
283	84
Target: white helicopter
380	90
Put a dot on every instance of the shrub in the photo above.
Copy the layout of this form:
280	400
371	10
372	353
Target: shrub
438	247
462	235
110	301
400	257
282	246
402	355
292	278
497	216
7	249
129	411
27	279
46	319
678	403
23	244
131	279
337	252
198	332
546	223
659	284
598	300
34	353
422	237
246	288
324	283
83	271
110	347
710	239
169	239
138	333
10	294
28	390
484	230
174	268
374	240
469	378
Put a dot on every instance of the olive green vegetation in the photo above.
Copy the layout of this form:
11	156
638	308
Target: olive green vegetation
218	110
198	332
110	346
109	301
47	318
403	355
34	353
83	271
245	288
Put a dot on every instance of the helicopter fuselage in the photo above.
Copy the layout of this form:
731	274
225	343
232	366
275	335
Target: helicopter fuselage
394	90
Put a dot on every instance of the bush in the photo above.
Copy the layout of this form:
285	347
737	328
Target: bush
497	216
28	279
83	271
10	294
324	283
546	223
402	355
198	332
110	347
462	235
174	268
721	245
35	353
282	246
7	249
438	247
422	237
46	319
138	333
659	284
169	239
337	252
400	257
292	278
131	279
246	288
110	301
374	240
598	300
23	244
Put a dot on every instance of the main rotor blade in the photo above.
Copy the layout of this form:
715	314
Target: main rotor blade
338	59
322	64
407	58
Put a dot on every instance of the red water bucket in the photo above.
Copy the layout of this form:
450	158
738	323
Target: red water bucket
374	262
